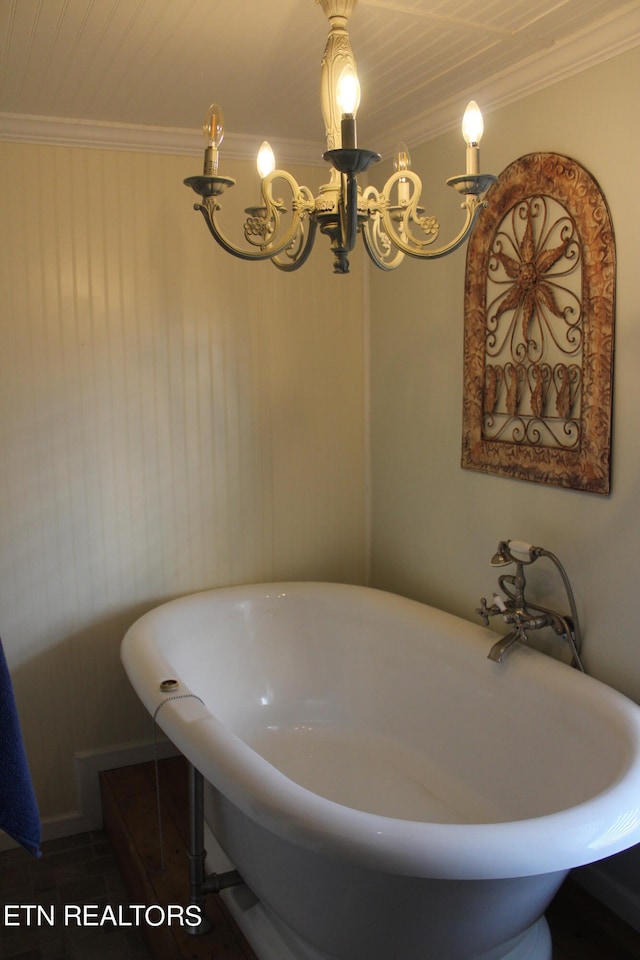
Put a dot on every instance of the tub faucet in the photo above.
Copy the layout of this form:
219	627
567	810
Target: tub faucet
519	612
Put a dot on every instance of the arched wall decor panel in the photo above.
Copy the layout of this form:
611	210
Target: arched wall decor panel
539	328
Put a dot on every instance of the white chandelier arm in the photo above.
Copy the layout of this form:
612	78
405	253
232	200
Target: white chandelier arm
473	208
298	251
376	240
262	225
397	220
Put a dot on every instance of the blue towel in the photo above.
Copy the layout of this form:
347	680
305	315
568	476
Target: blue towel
19	815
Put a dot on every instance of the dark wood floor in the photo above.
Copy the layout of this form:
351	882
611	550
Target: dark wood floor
581	928
129	800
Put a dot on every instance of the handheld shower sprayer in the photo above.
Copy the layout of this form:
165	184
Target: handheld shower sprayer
513	551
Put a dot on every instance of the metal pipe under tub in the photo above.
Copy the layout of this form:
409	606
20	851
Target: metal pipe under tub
199	884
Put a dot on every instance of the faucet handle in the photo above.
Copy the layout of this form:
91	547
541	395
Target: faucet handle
498	606
484	611
521	623
499	603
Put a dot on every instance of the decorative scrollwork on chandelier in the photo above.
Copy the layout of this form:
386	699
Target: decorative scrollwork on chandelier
539	305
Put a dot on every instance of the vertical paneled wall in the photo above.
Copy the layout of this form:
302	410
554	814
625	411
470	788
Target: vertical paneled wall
170	419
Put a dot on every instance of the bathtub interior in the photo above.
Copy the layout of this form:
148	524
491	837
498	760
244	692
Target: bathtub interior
367	703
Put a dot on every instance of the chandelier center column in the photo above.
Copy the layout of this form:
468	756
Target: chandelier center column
337	56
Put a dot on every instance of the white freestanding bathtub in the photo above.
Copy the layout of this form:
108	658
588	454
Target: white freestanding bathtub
385	790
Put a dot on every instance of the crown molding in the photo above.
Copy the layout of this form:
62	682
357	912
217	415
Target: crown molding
103	135
533	74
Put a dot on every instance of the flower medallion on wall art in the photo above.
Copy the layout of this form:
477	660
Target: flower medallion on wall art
539	328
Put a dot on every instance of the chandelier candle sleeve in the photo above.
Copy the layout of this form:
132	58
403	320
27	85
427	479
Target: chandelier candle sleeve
401	163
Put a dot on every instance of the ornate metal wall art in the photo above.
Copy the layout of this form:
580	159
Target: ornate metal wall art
539	323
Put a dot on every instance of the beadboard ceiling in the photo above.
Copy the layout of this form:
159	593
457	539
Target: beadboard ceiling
142	72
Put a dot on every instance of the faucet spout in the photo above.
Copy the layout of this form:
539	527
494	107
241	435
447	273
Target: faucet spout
502	646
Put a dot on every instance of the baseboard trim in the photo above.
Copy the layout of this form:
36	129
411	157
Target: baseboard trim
89	764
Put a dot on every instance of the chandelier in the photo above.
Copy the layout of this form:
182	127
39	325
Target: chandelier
391	220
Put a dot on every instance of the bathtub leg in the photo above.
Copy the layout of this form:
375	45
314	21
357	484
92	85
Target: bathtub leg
199	885
196	852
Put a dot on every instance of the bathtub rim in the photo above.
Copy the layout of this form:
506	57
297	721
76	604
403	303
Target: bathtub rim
550	843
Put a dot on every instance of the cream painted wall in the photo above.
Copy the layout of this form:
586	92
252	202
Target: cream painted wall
170	419
434	525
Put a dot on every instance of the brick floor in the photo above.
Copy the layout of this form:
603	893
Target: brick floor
74	871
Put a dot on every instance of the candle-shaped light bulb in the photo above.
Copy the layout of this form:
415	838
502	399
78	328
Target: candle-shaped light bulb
348	91
348	101
472	124
402	162
213	133
472	129
266	160
402	159
213	126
